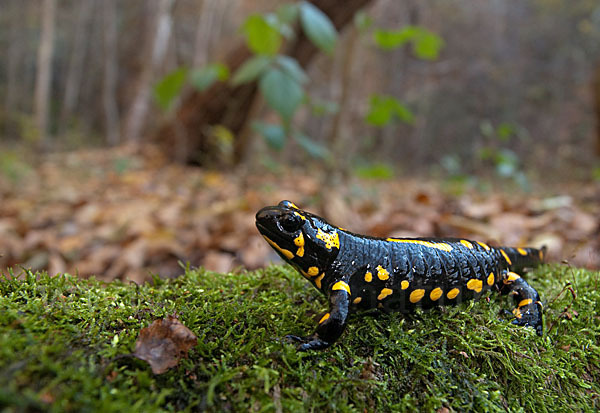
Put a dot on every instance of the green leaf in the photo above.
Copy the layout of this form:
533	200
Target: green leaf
427	45
505	131
251	69
403	113
318	27
383	109
169	87
282	92
392	39
507	162
375	171
282	27
261	37
274	135
287	13
379	114
291	66
204	78
314	149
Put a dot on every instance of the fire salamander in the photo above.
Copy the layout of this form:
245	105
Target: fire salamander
358	272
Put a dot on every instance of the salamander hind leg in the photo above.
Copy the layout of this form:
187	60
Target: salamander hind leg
332	324
528	310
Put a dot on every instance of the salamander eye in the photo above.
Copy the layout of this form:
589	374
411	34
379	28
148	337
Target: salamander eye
291	222
287	204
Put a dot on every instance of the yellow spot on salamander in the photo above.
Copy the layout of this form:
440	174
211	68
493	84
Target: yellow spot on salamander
341	285
517	313
490	279
299	242
404	284
466	243
312	271
541	255
525	302
484	246
384	293
475	285
331	240
453	293
382	273
416	295
318	280
512	277
300	215
324	318
357	300
522	251
439	245
505	255
368	276
286	253
435	294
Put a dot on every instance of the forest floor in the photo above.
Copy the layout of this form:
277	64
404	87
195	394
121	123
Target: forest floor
116	215
66	345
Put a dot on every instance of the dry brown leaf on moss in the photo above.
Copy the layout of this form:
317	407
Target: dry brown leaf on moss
163	343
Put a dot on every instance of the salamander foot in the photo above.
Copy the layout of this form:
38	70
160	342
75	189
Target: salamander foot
313	342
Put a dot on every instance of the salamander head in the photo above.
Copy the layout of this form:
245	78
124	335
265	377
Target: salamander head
302	239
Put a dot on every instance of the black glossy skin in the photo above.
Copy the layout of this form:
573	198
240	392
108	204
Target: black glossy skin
358	272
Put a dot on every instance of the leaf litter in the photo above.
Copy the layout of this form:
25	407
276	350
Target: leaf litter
163	343
114	214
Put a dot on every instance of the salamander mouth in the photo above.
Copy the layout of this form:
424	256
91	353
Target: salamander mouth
263	229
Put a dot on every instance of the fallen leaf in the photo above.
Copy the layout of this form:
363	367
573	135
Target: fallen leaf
56	264
163	343
218	261
481	209
470	228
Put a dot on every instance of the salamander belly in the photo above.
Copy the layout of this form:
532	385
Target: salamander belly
421	275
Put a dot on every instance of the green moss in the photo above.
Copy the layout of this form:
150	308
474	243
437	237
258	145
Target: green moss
62	342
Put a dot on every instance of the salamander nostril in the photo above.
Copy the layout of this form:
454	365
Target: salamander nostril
268	214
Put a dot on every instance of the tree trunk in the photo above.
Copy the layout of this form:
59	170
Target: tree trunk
139	108
76	62
15	48
44	70
109	93
596	93
203	32
185	138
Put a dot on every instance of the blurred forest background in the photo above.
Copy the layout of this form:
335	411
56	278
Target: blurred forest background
141	134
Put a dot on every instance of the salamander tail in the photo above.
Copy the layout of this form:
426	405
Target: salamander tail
522	258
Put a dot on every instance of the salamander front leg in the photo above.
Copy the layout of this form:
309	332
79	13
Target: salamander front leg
529	308
332	324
